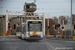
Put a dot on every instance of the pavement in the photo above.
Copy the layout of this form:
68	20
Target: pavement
4	38
61	44
62	39
44	44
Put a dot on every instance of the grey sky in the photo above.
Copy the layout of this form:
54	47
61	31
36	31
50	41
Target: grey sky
53	7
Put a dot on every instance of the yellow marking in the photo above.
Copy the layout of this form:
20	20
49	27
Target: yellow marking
56	36
2	34
35	33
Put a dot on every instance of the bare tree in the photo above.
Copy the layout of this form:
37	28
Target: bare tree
55	19
61	18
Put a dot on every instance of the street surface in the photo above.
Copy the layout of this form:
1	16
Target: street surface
44	44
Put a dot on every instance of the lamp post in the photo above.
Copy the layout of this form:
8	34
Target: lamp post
71	20
34	1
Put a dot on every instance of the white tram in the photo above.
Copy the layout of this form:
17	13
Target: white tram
32	29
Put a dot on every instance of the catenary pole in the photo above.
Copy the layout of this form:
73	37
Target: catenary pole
71	21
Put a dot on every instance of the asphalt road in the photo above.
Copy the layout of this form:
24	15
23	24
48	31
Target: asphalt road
44	44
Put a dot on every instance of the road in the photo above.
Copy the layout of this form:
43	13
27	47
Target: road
44	44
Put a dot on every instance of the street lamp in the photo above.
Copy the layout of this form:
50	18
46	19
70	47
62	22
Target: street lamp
34	1
71	20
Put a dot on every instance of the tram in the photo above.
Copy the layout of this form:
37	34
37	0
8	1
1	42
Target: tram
32	29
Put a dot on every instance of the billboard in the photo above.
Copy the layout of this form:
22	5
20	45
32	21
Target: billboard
67	27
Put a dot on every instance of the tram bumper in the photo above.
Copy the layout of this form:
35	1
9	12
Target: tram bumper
35	37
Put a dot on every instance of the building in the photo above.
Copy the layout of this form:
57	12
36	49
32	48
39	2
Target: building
2	25
51	24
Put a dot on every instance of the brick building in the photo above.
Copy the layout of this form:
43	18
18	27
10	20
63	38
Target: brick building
73	19
51	23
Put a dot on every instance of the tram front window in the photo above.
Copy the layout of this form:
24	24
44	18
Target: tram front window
34	27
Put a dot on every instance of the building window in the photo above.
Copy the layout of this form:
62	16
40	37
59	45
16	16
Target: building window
31	7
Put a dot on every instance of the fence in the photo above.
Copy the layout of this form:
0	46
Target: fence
67	34
12	37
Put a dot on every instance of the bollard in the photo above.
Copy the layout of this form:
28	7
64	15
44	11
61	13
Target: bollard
63	35
56	36
13	36
7	34
48	35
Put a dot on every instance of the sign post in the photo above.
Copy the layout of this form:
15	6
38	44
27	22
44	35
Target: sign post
48	33
11	28
58	28
63	34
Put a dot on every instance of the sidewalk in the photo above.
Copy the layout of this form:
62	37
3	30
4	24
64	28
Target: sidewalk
3	38
62	39
59	38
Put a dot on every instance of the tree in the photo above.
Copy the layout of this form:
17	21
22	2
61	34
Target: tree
55	19
61	18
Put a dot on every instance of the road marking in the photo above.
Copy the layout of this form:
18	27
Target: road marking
50	45
58	47
70	41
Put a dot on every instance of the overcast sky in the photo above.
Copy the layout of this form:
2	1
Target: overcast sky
53	7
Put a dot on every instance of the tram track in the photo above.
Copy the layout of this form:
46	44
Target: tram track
28	46
34	45
31	43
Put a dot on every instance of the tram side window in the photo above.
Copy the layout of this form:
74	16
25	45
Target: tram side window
41	28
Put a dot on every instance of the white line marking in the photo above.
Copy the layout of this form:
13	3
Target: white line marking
69	41
50	45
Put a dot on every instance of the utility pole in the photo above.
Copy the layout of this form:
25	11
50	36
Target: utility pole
71	21
34	1
48	33
48	19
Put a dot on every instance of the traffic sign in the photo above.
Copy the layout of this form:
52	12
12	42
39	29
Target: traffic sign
18	25
11	28
58	32
58	28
